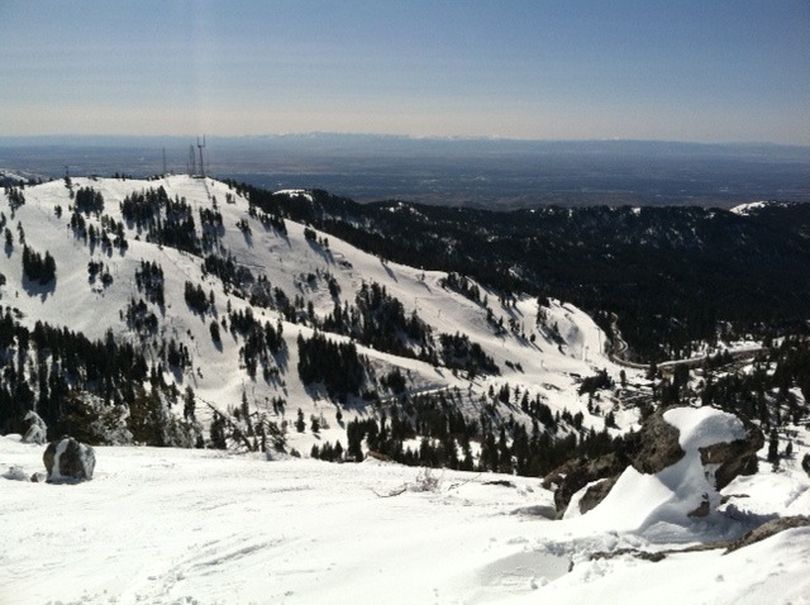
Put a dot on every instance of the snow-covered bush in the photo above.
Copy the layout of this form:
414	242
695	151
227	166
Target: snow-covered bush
425	481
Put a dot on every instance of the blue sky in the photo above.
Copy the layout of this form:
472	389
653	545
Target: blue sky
675	70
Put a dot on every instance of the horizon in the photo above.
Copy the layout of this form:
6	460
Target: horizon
726	73
67	138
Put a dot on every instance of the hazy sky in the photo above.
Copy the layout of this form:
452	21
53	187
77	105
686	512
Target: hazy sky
703	70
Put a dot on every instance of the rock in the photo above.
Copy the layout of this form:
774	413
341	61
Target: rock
806	464
37	429
596	493
734	458
501	482
546	512
39	477
575	474
768	529
658	445
633	552
69	460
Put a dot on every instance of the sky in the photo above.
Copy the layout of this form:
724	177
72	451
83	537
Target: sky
707	70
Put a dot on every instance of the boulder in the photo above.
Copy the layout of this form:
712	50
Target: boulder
37	430
658	445
69	460
596	493
733	458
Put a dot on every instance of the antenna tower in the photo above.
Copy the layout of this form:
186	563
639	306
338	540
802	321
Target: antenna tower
192	161
164	161
201	146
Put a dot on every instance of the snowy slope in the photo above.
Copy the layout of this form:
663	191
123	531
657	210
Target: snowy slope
548	367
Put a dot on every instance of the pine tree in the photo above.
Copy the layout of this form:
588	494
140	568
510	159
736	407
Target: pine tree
189	404
773	448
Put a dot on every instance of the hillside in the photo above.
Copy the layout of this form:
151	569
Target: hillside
672	275
248	270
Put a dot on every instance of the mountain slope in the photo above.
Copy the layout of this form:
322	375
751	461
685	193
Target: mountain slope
544	358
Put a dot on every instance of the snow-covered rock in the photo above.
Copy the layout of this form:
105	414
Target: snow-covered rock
686	487
579	474
37	431
681	457
15	473
69	460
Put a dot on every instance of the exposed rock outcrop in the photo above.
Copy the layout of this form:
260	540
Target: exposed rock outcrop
768	529
572	476
69	460
734	458
596	493
657	446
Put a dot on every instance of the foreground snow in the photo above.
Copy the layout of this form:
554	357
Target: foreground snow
191	526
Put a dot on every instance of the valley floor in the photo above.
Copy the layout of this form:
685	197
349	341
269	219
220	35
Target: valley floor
199	526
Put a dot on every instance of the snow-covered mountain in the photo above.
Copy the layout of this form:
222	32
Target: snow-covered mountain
177	311
544	352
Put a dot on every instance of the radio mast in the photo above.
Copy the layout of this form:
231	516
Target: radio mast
201	146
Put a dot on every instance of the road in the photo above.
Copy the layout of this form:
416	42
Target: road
618	349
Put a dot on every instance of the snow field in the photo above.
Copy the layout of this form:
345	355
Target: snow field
170	526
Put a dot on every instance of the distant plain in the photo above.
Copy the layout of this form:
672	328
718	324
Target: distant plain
485	173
